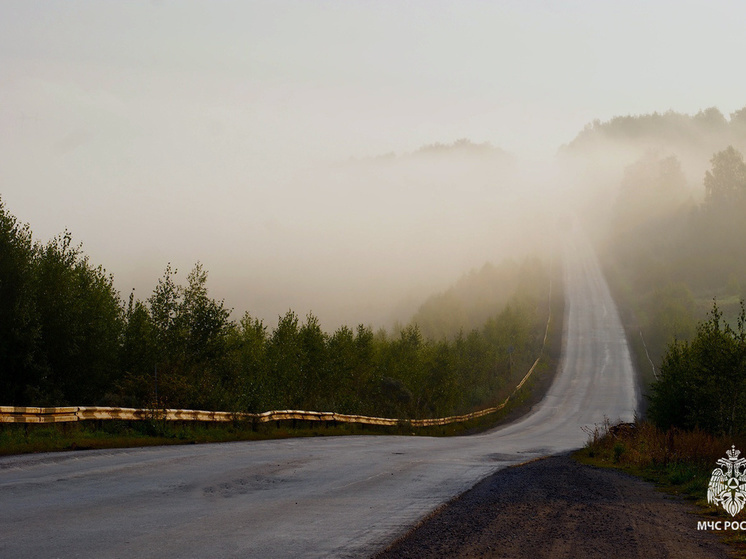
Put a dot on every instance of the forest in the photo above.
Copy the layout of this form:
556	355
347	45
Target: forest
67	337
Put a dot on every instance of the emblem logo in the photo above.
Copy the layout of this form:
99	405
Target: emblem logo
727	486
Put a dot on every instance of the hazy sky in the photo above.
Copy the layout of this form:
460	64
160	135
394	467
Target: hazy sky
182	131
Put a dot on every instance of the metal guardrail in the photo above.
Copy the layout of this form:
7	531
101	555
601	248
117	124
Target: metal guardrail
12	414
16	414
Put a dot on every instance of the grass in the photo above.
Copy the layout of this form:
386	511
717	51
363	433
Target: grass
87	435
678	462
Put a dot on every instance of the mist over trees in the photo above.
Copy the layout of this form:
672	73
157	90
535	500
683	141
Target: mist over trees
478	296
67	338
466	148
600	157
665	195
726	183
672	244
671	261
426	215
708	131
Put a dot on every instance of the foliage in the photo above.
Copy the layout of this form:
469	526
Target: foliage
61	320
726	183
703	382
66	337
679	459
19	327
80	319
478	296
668	263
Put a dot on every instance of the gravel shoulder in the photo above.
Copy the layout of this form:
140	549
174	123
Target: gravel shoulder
556	507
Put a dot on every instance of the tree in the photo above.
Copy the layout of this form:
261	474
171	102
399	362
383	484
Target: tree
205	321
738	120
192	334
710	121
651	187
317	382
671	309
343	365
726	183
19	327
81	320
284	358
249	343
703	383
138	357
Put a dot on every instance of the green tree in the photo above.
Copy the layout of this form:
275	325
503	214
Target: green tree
81	321
317	382
439	386
671	311
284	362
19	328
138	357
206	325
192	333
366	355
249	343
170	340
205	321
702	383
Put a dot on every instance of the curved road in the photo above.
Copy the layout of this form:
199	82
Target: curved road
313	497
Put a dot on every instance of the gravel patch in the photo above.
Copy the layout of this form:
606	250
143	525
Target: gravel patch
556	508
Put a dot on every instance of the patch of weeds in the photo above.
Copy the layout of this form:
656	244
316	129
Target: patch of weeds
677	461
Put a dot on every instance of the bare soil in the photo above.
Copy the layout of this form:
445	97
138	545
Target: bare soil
556	508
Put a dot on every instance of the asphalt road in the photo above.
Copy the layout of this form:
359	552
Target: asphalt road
313	497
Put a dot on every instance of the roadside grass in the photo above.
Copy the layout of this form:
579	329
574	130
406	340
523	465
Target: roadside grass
89	435
678	462
18	438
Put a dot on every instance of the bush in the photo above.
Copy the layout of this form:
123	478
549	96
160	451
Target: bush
703	382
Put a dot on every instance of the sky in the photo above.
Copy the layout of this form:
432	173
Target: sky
167	131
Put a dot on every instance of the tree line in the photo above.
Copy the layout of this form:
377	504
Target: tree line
680	131
67	338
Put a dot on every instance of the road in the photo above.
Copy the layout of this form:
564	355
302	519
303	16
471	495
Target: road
313	497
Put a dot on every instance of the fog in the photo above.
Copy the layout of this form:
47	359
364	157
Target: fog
347	159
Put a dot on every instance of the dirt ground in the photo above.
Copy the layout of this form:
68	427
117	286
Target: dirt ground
557	508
